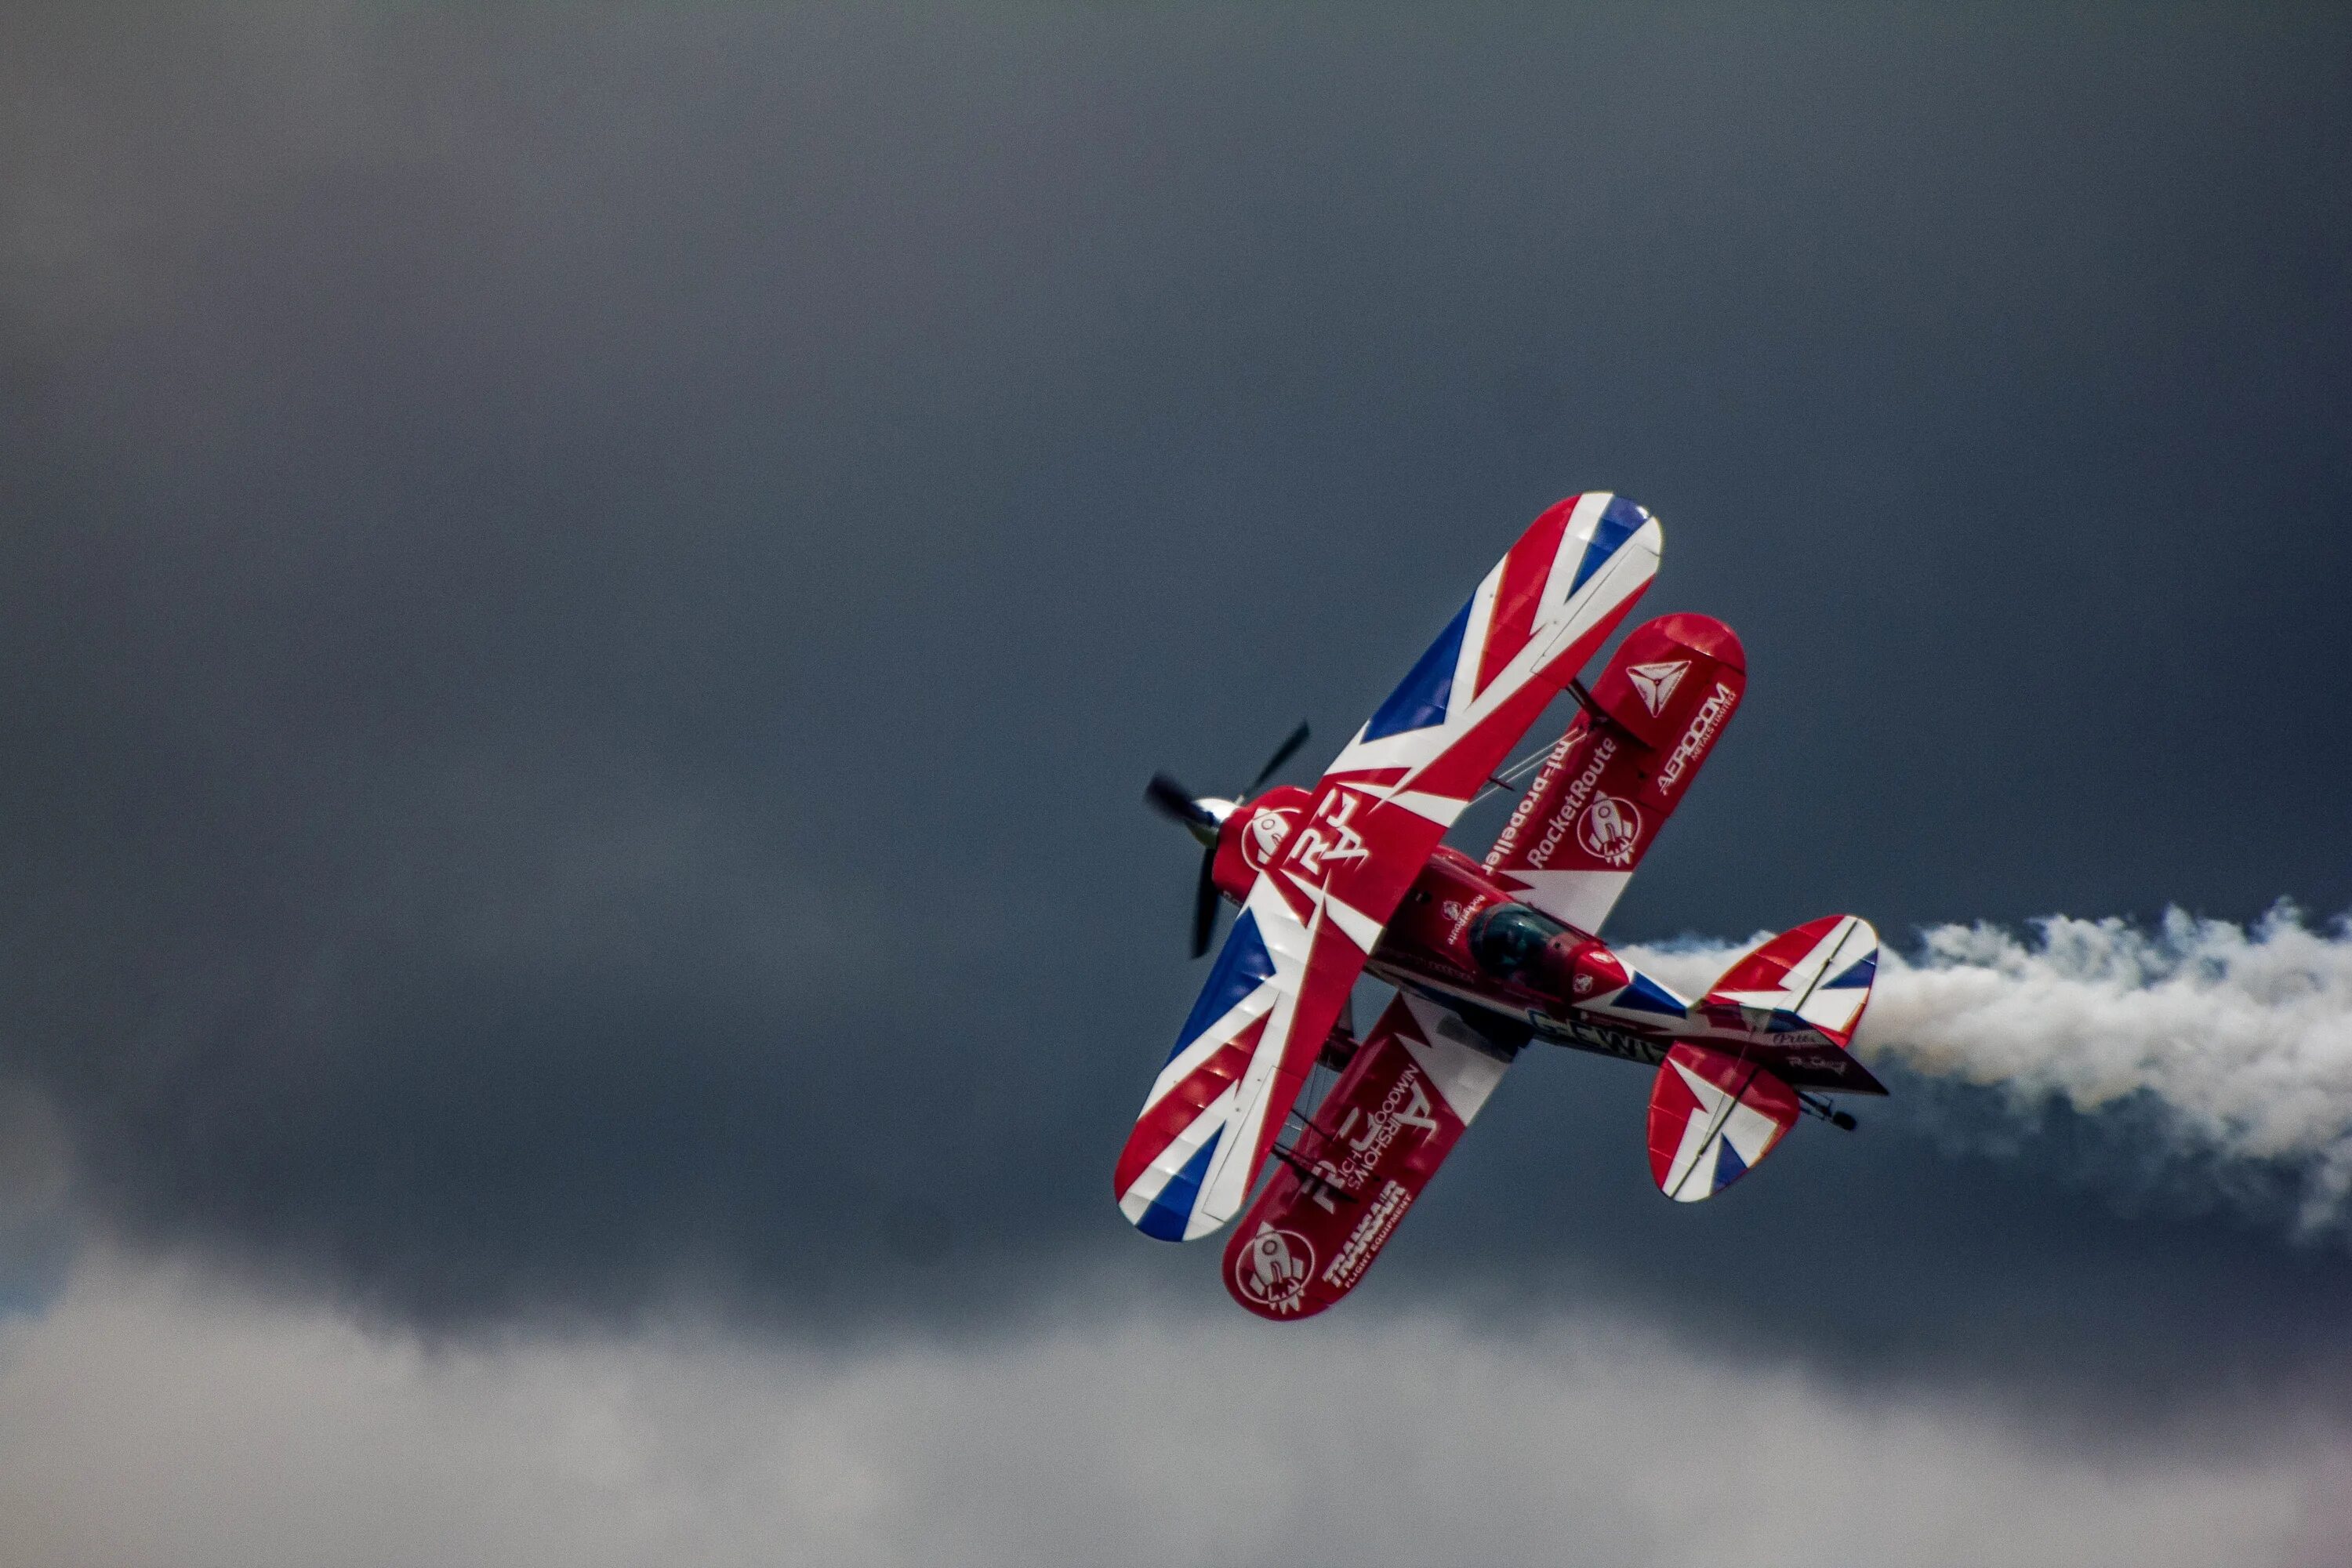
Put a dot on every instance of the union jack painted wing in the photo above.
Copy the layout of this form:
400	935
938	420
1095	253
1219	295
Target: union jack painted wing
1319	905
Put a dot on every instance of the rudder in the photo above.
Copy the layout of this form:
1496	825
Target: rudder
1794	1001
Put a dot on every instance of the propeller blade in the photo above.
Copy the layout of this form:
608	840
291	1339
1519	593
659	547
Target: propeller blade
1281	755
1204	905
1172	800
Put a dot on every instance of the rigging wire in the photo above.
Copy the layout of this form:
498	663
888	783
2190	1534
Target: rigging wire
1511	776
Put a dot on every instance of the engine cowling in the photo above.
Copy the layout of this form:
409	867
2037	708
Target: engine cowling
1253	834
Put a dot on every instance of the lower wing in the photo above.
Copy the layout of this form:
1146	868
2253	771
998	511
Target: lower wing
1373	1144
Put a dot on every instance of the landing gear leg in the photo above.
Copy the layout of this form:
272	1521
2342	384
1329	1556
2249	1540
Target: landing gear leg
1816	1106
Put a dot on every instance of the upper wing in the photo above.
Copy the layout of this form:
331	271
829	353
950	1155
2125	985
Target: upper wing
1319	905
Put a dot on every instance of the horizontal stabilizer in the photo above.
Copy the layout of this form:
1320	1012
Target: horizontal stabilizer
1713	1118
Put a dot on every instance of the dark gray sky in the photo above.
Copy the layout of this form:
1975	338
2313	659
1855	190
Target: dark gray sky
587	594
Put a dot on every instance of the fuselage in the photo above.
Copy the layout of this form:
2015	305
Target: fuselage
1460	933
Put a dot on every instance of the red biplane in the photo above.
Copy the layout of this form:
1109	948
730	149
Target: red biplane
1350	877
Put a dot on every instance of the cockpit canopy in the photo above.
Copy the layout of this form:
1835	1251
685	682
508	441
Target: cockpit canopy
1509	939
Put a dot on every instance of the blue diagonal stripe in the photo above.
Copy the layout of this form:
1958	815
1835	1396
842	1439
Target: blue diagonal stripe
1728	1166
1618	520
1421	697
1643	995
1165	1219
1243	965
1858	975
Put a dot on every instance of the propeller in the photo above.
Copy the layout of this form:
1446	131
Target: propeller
1281	755
1202	815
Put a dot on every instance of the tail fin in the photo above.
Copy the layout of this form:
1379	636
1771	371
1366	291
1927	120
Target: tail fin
1622	768
1793	1002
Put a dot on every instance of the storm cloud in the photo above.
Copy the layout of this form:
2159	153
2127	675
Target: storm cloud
1591	1441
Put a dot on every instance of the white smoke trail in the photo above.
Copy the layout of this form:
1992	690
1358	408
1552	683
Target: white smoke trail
2243	1036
